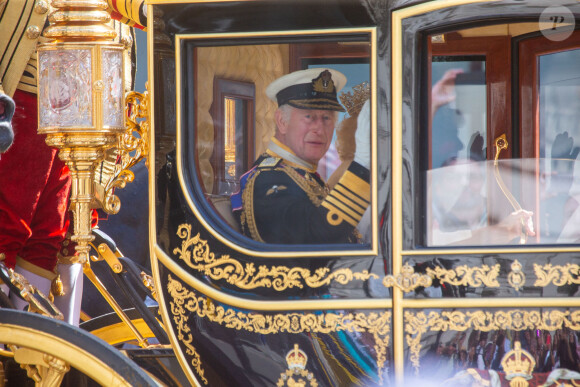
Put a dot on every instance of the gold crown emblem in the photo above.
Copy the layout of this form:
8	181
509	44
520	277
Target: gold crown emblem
355	101
518	365
296	358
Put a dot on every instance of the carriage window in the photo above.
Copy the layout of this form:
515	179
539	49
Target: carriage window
498	172
559	129
458	108
252	158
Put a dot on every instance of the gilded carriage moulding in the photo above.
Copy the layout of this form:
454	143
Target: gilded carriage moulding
196	253
419	323
185	303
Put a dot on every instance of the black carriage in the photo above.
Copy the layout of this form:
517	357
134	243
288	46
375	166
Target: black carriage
474	108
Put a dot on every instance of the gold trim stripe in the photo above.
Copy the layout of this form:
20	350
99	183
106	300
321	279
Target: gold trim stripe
35	269
119	332
372	303
163	305
357	209
261	305
335	217
338	207
344	191
492	250
357	185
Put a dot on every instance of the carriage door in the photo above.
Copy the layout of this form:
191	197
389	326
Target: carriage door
486	105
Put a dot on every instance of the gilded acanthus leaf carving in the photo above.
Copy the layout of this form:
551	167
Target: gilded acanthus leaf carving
185	303
184	333
467	276
133	146
195	252
416	324
558	275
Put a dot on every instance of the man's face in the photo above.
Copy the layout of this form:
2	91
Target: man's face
307	133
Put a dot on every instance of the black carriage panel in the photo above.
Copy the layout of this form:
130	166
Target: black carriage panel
496	275
226	345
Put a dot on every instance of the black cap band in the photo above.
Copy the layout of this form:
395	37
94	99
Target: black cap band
320	94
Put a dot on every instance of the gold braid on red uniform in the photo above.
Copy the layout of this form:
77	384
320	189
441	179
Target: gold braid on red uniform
130	12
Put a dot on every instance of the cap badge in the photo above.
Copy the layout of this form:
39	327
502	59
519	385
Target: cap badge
323	83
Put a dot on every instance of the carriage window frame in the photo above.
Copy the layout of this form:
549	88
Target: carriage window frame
410	26
188	171
492	51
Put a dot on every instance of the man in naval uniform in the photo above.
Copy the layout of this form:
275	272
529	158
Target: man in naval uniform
34	182
282	199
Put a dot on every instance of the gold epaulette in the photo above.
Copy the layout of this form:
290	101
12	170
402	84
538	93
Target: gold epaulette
269	162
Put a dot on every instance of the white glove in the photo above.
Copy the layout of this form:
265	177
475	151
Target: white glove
362	155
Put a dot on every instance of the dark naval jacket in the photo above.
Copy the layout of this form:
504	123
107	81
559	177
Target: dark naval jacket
283	200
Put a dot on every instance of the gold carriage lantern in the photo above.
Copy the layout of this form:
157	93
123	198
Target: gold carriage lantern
81	98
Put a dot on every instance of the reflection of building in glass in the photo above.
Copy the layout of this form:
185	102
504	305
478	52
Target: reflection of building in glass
504	353
230	137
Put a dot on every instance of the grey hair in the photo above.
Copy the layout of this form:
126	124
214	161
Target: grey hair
286	110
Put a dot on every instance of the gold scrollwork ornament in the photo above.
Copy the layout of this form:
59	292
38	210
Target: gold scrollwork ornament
196	253
29	293
186	303
149	284
133	146
467	276
568	274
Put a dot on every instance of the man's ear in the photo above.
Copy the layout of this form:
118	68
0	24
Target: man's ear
281	123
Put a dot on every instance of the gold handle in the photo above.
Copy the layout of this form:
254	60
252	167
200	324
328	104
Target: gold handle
501	144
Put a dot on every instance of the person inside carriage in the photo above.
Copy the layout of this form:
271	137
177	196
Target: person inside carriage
281	198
